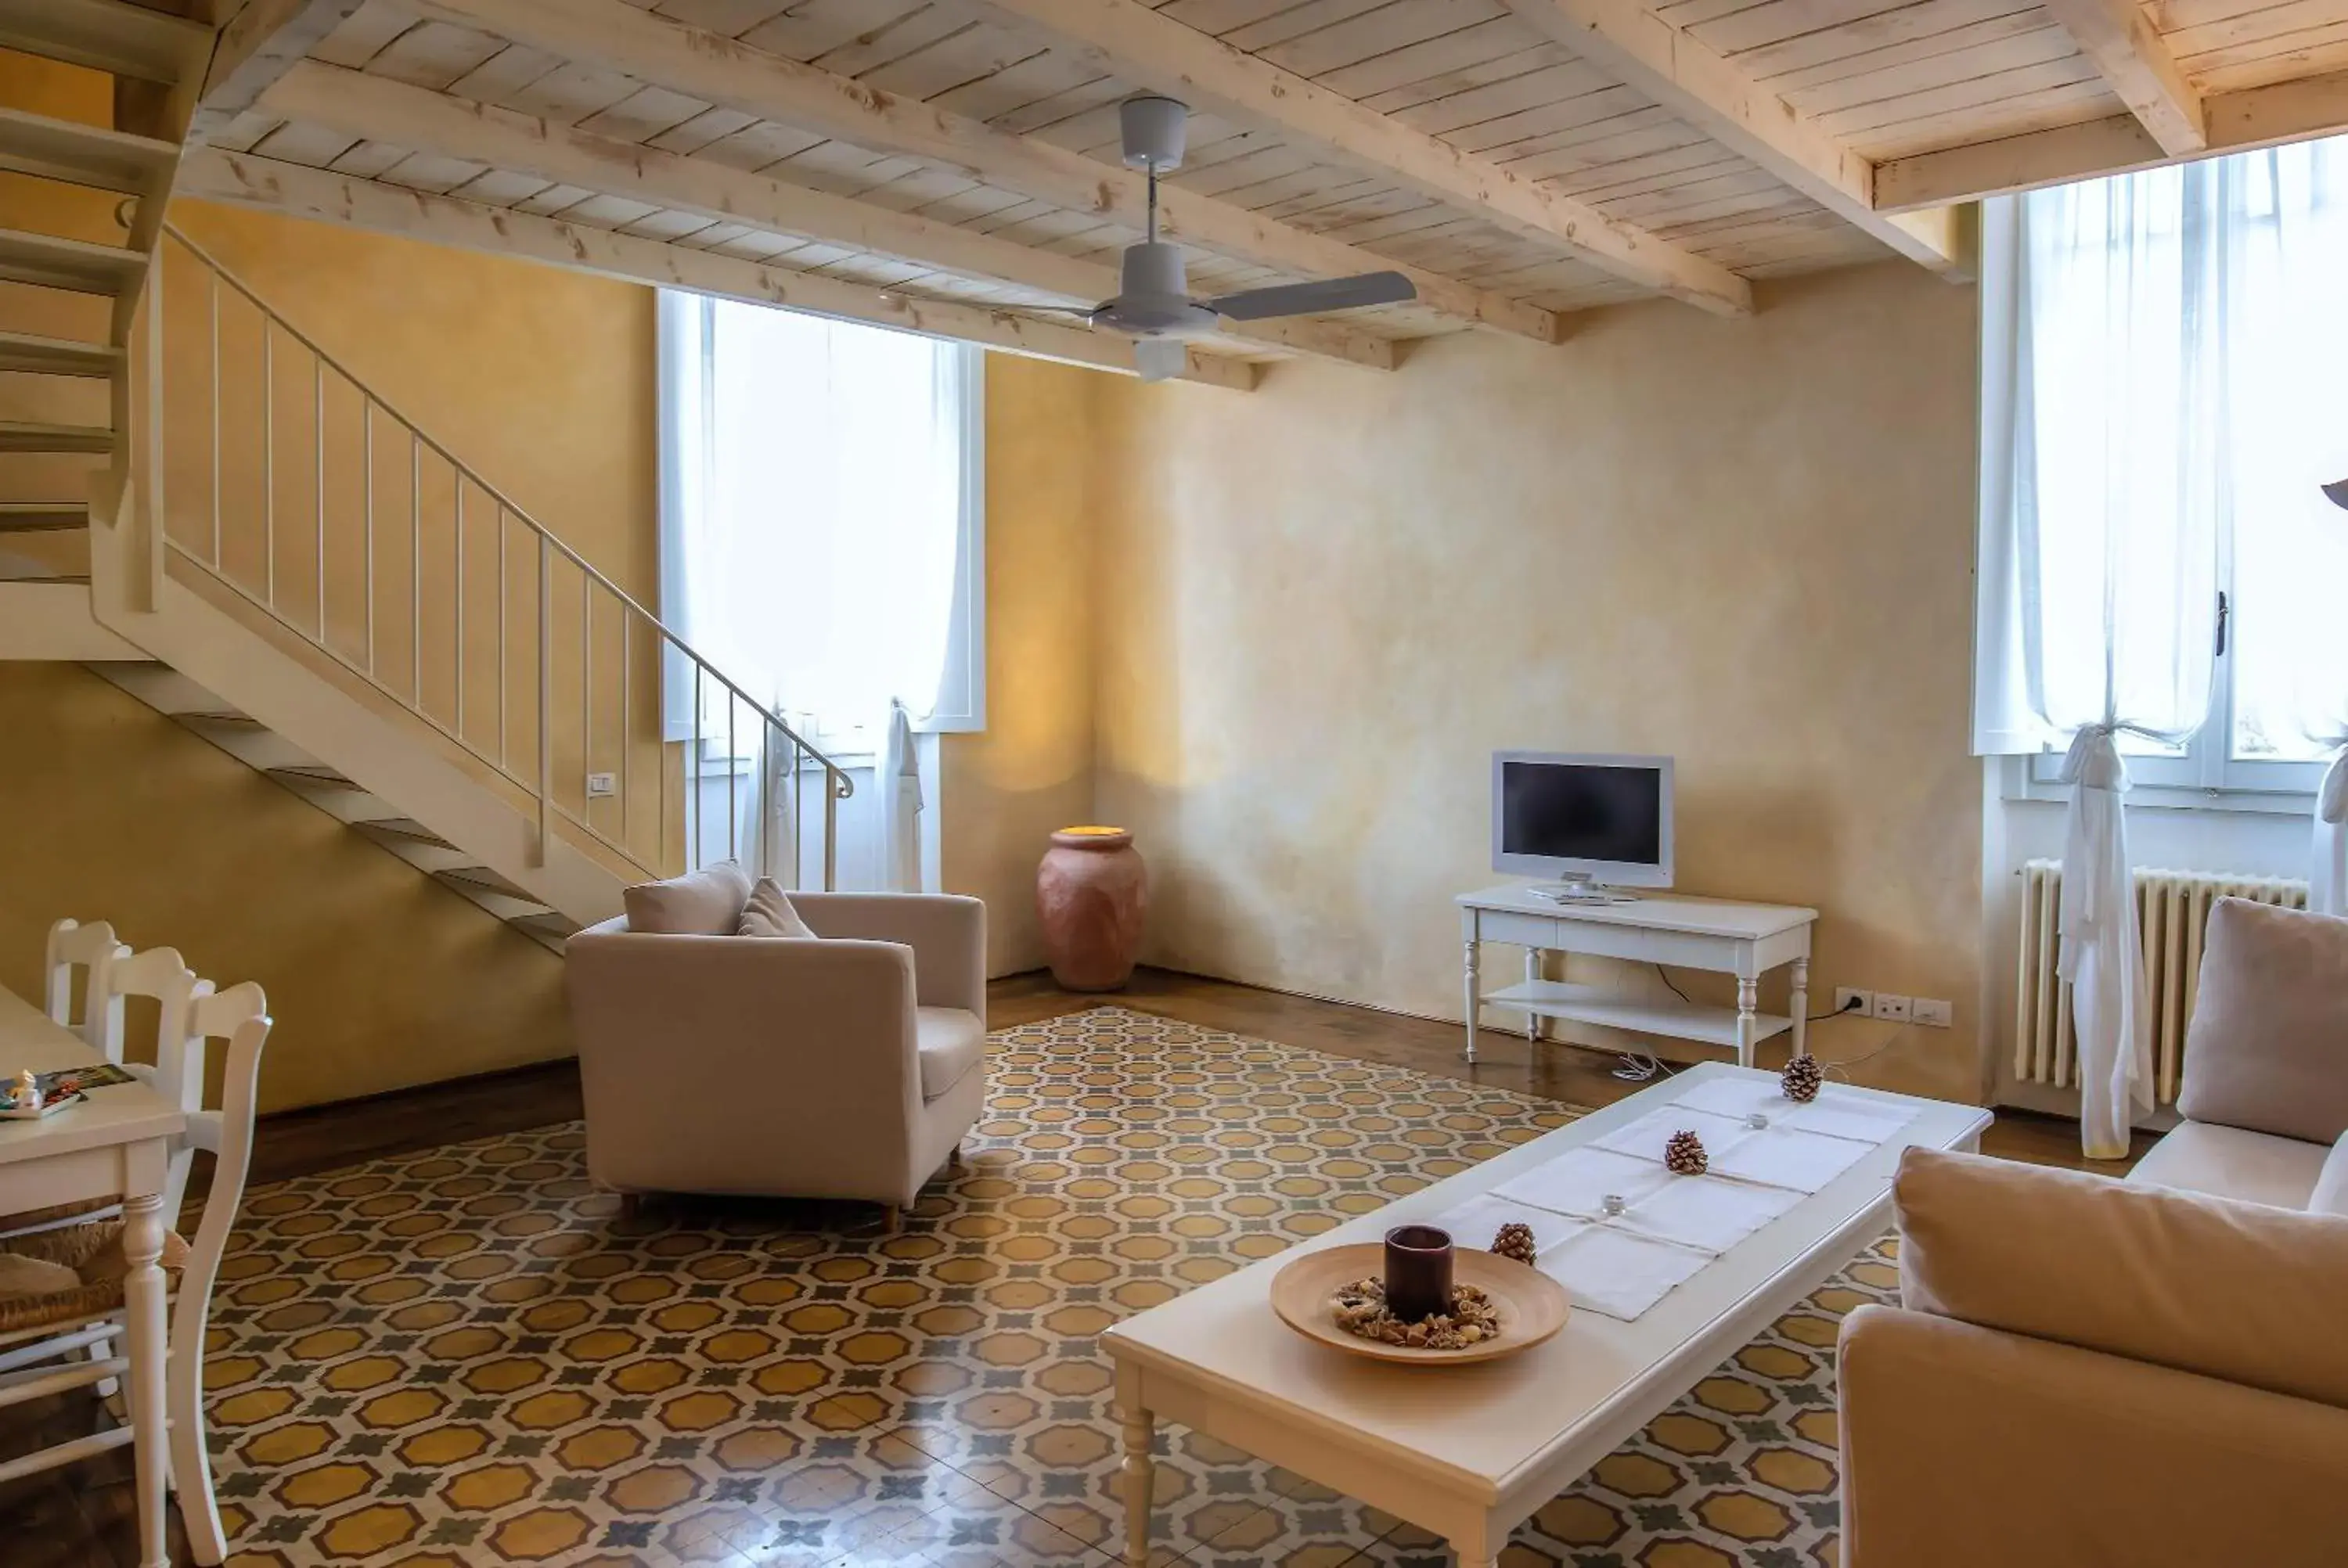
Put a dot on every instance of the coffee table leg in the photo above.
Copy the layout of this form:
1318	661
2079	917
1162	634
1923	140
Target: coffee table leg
1139	1432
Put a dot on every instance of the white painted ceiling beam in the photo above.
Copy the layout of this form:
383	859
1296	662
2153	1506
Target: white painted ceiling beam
2131	55
1695	83
616	37
378	108
256	45
1130	41
241	179
2241	122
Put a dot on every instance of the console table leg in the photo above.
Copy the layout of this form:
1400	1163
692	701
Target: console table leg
1475	997
1532	975
1140	1434
1748	996
1801	1000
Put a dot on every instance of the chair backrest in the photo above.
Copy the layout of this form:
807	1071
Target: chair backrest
180	1047
239	1017
92	947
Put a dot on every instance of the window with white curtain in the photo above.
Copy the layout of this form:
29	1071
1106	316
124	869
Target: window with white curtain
2166	391
823	519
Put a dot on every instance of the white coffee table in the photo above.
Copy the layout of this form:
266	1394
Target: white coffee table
1470	1452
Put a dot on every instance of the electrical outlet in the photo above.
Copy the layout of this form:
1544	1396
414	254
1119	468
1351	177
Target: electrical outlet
1859	1003
600	785
1932	1013
1895	1009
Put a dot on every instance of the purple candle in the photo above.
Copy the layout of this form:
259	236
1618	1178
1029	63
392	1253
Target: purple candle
1418	1272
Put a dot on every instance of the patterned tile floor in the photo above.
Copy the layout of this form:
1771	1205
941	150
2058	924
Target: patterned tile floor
465	1356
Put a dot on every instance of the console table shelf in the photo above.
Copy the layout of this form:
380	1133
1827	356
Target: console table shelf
1724	936
1674	1019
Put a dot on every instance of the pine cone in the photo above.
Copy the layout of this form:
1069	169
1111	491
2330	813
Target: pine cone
1801	1079
1685	1155
1514	1241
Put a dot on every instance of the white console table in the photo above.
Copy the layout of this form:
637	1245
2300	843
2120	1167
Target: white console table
1746	940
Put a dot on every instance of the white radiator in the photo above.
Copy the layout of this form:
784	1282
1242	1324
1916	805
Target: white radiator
2172	910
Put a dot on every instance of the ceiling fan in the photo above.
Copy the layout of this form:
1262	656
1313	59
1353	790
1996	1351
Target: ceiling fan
1153	302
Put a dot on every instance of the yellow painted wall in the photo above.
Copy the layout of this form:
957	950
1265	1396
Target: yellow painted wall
378	977
1032	770
1746	544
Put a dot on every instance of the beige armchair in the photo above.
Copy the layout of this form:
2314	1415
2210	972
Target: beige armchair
848	1067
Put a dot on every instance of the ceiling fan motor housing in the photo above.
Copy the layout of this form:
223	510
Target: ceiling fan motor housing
1152	131
1153	294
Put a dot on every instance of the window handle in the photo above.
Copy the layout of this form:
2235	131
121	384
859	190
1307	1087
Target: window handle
2225	613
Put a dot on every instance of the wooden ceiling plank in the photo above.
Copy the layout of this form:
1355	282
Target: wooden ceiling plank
1711	93
256	46
456	139
241	180
1138	44
730	74
2130	53
2237	122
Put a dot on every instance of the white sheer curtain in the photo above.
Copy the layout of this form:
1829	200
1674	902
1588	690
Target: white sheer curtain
2104	501
815	478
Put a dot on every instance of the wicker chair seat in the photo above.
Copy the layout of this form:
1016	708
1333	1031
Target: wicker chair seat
58	1278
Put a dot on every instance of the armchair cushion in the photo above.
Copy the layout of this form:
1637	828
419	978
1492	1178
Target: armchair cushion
2330	1195
950	1042
769	914
2228	1163
2239	1292
2268	1046
704	903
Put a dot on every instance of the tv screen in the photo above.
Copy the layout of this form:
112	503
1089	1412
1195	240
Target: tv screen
1580	812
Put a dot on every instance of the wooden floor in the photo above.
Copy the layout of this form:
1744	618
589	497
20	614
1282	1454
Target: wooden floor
79	1517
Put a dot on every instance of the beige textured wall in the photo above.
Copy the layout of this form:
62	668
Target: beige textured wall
378	977
1746	544
1032	770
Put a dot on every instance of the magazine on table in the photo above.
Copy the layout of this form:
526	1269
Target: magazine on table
53	1092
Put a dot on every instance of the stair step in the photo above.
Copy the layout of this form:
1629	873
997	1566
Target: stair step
41	516
554	923
19	436
56	355
50	263
81	154
242	723
404	830
482	879
106	36
311	775
78	580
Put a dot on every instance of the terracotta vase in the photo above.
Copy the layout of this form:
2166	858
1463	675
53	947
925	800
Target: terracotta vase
1091	891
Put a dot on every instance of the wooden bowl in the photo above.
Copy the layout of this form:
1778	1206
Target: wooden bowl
1531	1305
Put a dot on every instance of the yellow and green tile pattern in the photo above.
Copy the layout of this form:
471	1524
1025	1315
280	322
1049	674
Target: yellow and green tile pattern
465	1356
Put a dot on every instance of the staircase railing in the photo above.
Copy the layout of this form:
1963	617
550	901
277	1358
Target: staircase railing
302	489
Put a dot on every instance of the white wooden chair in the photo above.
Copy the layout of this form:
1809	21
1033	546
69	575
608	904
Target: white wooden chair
161	976
80	1311
94	948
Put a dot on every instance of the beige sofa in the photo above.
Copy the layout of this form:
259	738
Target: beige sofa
2149	1372
848	1067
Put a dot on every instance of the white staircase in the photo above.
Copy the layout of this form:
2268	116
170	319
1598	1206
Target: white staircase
205	505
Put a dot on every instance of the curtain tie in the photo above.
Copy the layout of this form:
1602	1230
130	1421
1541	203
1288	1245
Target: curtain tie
2094	760
2332	795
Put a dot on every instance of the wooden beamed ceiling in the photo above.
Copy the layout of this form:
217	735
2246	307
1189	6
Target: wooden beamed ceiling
950	166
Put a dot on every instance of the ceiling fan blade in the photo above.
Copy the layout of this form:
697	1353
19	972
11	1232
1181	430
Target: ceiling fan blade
1314	299
1160	358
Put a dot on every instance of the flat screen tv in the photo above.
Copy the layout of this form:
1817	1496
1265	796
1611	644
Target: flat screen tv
1587	821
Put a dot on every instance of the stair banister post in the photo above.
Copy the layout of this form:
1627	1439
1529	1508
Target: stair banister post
148	526
545	696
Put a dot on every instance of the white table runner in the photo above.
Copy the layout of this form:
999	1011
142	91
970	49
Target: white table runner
1669	1227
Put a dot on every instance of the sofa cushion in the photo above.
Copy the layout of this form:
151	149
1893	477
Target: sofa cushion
2237	1291
704	903
768	913
2268	1046
2228	1163
951	1042
2330	1195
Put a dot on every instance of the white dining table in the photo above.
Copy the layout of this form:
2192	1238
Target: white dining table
115	1143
